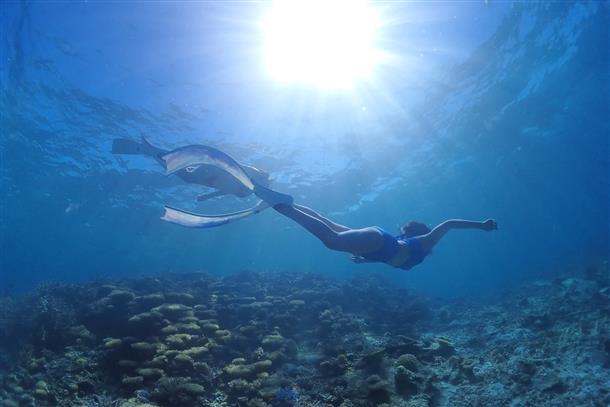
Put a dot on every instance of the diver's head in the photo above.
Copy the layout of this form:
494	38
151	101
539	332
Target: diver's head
414	229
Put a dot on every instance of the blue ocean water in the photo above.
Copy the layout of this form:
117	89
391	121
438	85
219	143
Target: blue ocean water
489	110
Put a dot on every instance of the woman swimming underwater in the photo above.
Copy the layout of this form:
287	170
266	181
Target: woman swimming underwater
372	244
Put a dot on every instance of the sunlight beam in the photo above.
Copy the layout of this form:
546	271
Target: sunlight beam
330	44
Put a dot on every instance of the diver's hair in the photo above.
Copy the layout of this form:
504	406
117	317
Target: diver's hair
414	229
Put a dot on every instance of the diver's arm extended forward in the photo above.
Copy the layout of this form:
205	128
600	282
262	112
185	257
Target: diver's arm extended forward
432	238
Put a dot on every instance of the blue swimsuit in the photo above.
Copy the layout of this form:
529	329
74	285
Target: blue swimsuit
390	247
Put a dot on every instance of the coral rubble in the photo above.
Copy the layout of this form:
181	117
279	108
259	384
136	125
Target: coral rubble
275	340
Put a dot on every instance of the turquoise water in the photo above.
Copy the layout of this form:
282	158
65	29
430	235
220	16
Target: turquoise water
488	110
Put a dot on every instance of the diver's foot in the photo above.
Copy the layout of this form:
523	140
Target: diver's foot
272	197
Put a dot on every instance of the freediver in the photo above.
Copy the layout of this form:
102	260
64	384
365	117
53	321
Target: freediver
371	244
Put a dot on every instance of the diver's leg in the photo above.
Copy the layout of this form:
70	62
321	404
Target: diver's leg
334	226
360	241
353	240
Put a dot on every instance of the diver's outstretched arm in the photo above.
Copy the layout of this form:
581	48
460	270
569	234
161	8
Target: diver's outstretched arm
334	226
432	238
205	197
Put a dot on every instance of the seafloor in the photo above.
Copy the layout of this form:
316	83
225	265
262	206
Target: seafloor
304	340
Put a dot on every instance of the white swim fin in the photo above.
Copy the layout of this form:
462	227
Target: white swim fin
194	220
194	155
126	146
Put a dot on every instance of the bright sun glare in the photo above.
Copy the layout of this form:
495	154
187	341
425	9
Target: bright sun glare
330	43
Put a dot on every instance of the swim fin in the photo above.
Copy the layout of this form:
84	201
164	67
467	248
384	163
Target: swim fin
193	220
215	194
194	155
126	146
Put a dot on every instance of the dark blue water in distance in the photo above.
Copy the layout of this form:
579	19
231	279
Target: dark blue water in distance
488	110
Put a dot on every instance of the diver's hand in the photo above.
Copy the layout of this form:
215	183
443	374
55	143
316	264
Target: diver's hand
489	225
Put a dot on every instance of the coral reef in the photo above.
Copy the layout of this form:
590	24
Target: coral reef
277	340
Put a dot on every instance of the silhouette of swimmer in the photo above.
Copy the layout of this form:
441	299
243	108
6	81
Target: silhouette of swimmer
372	244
